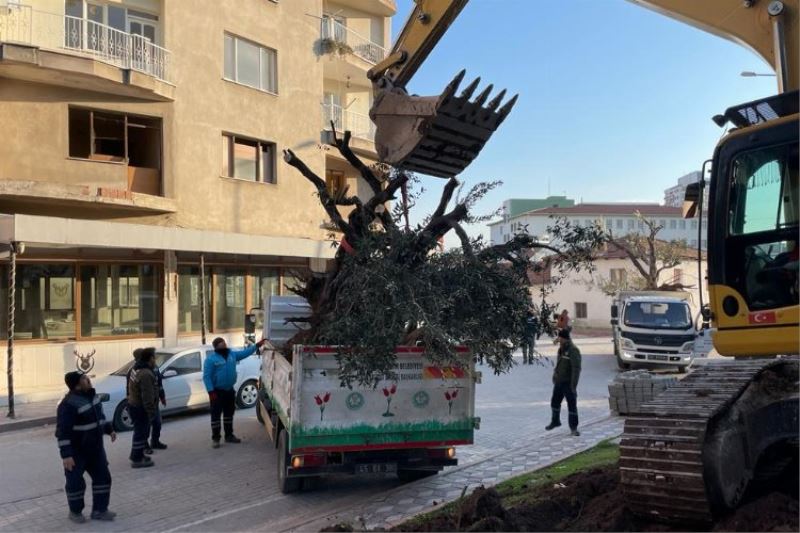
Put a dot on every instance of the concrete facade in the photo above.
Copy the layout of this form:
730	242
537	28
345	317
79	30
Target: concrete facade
195	114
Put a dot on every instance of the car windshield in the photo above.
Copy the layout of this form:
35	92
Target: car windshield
655	315
161	358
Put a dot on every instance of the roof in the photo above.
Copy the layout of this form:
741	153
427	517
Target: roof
610	209
656	298
687	253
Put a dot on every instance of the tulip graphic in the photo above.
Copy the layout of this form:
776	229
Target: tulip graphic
450	396
389	394
322	401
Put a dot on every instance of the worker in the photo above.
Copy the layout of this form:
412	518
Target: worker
142	398
155	429
219	376
565	383
531	329
564	321
80	426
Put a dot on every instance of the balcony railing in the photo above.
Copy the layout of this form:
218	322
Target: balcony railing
361	46
24	25
359	125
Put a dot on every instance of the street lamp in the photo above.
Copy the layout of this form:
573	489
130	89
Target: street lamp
751	74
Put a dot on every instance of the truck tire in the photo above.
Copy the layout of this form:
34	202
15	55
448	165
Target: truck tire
259	416
622	365
407	476
286	484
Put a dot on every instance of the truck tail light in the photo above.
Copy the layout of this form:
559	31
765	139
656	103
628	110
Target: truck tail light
300	461
442	453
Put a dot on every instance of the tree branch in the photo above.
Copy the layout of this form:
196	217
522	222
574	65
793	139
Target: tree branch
343	145
633	257
328	203
447	195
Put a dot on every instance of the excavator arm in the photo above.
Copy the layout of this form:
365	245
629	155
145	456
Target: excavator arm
441	135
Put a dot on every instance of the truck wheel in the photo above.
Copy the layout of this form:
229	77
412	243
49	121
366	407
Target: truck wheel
407	476
286	484
623	365
682	369
259	416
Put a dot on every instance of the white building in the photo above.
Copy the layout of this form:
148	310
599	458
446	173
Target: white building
674	195
590	307
619	218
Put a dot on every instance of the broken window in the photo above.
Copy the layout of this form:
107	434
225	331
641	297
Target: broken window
335	182
248	159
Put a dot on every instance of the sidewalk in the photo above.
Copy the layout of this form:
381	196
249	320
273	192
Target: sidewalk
28	415
396	506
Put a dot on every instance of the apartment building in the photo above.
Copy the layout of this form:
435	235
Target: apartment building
619	218
143	137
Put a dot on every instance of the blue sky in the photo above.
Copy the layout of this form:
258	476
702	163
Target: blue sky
615	100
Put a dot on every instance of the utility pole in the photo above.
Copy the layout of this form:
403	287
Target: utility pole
203	298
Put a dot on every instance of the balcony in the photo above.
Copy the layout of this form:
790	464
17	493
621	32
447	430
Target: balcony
359	125
29	35
337	38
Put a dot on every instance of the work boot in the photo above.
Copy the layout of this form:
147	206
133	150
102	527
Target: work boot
554	424
144	463
103	516
158	445
78	518
148	450
215	443
575	433
232	439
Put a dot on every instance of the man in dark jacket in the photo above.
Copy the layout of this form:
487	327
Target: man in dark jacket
155	426
80	426
142	398
531	328
565	382
219	376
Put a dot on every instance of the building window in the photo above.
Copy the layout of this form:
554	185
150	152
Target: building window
694	224
336	182
677	276
694	243
251	64
618	275
229	294
682	224
662	223
119	300
189	299
631	223
248	159
640	224
619	223
266	282
673	224
580	310
45	302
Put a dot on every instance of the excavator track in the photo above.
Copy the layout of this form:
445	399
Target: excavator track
661	451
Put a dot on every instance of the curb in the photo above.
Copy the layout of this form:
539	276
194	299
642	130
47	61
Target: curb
28	423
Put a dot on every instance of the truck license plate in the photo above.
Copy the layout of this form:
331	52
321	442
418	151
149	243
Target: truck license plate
658	357
376	468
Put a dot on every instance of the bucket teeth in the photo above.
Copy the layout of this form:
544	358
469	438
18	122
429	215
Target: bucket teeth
495	102
479	101
506	109
452	87
470	88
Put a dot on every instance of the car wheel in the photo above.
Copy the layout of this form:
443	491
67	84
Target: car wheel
122	417
247	395
286	484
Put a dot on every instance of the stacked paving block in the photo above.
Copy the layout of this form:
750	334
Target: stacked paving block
631	389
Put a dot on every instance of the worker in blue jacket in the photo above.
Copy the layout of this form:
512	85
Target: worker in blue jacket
219	376
80	426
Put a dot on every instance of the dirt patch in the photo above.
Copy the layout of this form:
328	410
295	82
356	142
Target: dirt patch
592	501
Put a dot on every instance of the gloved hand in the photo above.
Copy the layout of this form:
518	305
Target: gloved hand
212	396
261	343
164	402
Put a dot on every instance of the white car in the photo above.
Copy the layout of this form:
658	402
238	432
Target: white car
182	371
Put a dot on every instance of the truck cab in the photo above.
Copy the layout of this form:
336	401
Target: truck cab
653	330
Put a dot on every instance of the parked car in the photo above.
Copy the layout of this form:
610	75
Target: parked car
182	368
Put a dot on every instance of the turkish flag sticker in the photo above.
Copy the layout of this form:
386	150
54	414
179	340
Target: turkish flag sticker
763	317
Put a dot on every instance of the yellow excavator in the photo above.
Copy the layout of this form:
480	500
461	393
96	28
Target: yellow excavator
693	451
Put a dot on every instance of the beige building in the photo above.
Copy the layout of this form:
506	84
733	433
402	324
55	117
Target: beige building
139	135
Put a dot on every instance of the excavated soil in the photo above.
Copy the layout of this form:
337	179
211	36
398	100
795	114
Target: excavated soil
592	501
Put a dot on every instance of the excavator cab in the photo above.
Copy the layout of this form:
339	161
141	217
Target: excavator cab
753	237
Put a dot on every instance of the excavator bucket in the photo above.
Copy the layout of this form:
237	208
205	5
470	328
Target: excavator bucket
436	135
